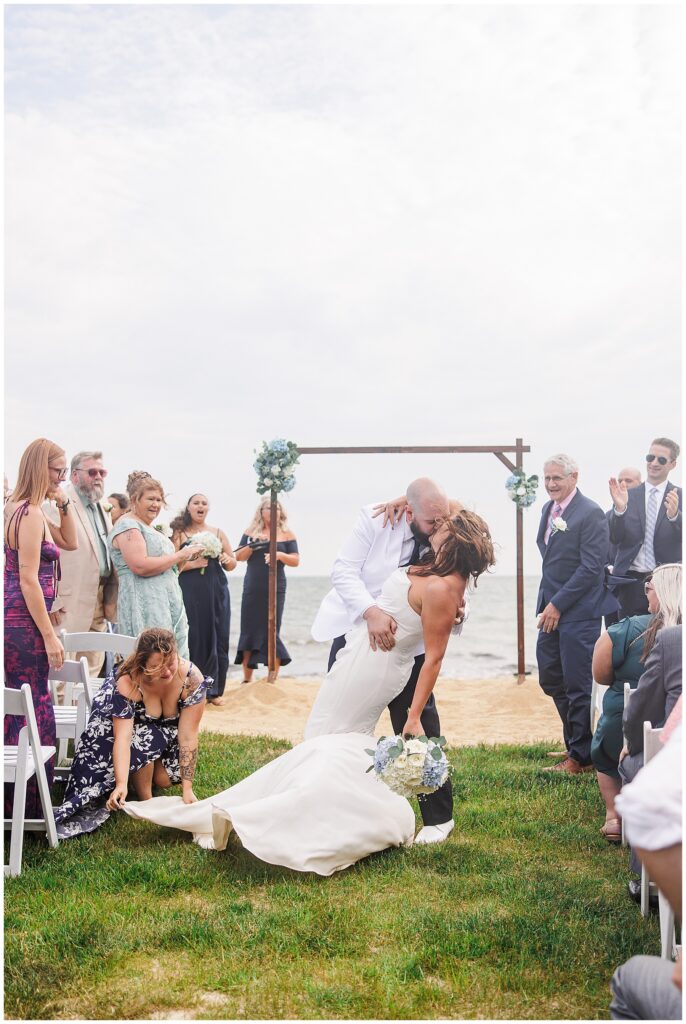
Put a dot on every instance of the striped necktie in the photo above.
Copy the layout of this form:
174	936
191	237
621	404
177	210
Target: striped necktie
651	519
557	511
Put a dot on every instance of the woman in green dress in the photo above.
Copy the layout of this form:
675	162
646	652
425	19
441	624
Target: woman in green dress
147	565
618	658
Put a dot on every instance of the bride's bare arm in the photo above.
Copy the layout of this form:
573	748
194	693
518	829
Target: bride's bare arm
439	603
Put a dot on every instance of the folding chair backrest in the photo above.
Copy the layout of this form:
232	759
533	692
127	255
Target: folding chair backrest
651	742
20	702
70	673
112	643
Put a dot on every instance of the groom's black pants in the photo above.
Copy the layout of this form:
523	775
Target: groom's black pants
436	808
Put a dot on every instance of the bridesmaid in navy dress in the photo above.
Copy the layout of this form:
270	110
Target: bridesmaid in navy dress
32	559
253	641
206	596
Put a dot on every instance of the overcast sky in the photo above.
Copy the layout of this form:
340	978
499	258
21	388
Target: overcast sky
343	225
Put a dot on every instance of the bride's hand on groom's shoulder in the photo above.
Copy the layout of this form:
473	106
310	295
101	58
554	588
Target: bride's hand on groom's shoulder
392	510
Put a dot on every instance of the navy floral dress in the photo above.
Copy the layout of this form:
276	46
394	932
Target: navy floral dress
91	779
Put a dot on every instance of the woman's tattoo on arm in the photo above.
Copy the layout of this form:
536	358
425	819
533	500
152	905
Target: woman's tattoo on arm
188	758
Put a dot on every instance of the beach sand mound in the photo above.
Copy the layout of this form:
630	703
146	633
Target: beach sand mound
472	711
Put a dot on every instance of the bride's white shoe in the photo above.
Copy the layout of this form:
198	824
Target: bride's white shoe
434	833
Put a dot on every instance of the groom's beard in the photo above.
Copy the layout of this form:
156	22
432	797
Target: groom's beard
423	538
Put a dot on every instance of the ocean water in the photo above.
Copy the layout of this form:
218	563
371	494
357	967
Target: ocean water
487	647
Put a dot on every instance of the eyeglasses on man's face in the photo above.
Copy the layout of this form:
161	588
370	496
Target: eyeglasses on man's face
660	458
92	473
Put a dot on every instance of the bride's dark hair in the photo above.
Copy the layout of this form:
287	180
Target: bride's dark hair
467	549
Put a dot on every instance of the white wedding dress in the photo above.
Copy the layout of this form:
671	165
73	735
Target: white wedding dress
315	808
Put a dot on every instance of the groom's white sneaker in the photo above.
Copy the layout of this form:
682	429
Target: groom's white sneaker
434	833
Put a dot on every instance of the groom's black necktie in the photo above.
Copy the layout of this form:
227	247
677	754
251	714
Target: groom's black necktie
415	556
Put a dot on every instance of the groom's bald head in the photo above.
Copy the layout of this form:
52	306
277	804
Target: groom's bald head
427	502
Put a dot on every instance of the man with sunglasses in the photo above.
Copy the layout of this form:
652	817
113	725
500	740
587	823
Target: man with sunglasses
645	526
87	592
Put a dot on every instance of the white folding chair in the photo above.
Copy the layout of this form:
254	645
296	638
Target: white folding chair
112	643
22	762
598	692
70	719
651	745
627	697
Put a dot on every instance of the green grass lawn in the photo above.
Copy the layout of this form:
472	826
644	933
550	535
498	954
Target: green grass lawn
521	914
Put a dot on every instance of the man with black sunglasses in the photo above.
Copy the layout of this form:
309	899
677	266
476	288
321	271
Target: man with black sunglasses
87	592
645	525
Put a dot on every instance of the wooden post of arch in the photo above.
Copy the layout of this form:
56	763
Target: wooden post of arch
499	450
271	622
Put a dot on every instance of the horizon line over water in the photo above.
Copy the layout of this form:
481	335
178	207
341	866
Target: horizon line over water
486	649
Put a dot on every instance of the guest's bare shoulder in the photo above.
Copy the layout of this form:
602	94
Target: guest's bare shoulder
126	686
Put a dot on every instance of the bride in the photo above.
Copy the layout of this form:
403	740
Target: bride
315	808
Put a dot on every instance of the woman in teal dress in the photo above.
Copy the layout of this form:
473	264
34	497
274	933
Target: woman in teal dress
618	658
148	569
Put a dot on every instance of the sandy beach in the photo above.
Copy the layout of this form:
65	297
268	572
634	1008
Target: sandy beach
472	710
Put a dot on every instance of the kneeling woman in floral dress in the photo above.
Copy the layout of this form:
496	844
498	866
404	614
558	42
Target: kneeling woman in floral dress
142	731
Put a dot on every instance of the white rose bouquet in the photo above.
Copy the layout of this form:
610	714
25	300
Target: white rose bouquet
412	766
522	488
212	546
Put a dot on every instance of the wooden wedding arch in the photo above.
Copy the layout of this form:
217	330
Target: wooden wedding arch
501	453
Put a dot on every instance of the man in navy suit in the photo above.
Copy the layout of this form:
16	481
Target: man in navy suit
573	540
645	526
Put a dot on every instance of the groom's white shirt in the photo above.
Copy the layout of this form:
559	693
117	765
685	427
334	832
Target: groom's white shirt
364	563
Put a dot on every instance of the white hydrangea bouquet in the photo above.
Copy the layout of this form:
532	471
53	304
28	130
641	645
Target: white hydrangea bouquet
212	546
411	766
275	466
522	488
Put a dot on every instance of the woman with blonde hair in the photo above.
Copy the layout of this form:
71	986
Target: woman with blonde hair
147	565
619	657
253	641
32	567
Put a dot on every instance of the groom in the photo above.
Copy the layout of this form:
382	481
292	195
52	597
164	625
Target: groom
364	563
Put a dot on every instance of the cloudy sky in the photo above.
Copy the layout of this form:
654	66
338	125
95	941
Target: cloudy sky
343	225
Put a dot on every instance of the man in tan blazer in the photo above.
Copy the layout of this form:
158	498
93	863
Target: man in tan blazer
87	592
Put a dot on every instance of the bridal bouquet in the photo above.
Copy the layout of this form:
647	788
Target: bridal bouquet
211	544
522	488
275	466
412	766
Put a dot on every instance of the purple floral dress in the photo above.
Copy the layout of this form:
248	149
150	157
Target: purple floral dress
25	658
91	778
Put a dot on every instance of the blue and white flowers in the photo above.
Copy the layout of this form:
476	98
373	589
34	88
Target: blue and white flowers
410	767
522	488
275	466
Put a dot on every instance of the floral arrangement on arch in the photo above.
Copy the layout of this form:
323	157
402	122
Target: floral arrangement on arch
275	466
522	488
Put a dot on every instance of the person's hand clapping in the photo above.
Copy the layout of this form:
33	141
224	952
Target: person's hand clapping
672	504
618	493
117	798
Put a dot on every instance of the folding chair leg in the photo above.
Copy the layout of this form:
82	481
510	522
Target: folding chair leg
645	893
62	750
667	936
18	811
48	812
